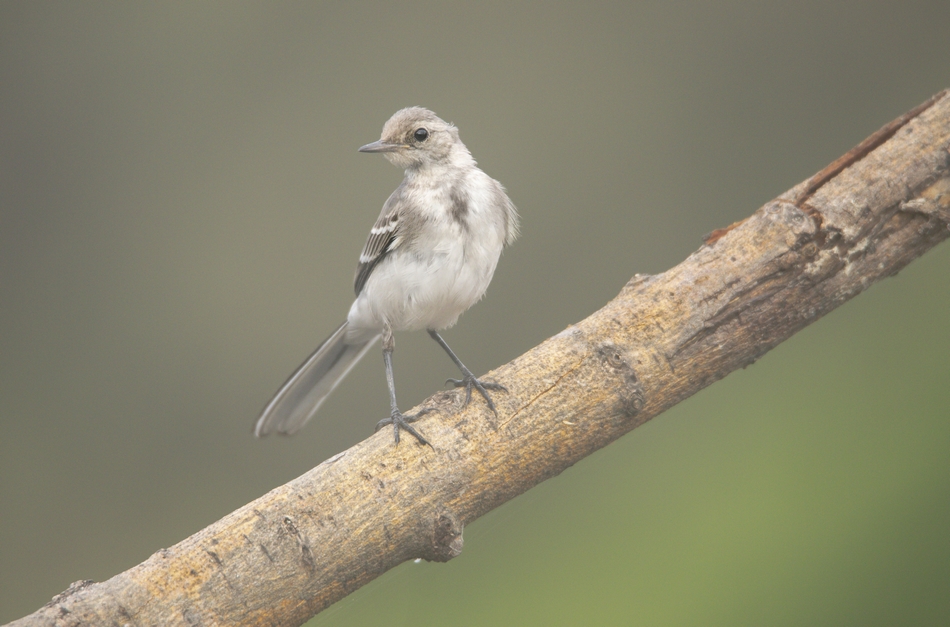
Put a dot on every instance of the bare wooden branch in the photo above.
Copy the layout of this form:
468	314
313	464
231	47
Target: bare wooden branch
294	551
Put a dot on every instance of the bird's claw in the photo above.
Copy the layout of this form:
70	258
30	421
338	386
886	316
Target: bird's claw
469	381
401	421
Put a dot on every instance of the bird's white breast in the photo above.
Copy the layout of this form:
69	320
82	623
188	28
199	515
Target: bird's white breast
439	268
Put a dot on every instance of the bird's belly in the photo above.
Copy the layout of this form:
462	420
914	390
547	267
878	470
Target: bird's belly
410	291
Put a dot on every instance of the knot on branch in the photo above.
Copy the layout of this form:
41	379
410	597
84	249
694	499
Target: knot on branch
933	202
446	541
304	553
74	587
617	364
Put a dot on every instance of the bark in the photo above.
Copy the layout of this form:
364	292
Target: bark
291	553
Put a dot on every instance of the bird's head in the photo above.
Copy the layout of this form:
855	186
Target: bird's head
415	138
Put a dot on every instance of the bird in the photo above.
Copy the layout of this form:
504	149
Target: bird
429	257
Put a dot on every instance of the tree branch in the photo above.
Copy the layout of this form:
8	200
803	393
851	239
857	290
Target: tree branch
299	548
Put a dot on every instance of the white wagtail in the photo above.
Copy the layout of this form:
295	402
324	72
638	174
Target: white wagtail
429	257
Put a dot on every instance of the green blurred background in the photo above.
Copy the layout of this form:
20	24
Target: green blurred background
183	206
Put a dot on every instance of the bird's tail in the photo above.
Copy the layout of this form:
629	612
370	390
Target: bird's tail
301	396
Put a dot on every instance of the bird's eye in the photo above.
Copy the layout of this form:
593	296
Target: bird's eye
421	134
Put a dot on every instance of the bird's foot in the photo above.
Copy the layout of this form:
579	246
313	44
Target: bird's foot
468	381
401	421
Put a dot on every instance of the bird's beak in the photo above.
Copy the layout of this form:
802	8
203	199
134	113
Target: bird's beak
381	146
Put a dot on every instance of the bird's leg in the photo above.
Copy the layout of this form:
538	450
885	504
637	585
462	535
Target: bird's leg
396	418
468	380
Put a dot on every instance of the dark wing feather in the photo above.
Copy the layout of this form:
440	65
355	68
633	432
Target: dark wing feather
381	238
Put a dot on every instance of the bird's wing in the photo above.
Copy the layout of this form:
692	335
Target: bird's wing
383	237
